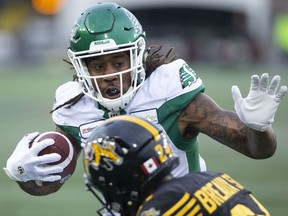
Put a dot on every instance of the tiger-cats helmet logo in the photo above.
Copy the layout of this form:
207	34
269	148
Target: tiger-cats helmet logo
187	76
102	153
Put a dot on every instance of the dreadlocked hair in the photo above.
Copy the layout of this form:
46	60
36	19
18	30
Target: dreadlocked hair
73	100
155	59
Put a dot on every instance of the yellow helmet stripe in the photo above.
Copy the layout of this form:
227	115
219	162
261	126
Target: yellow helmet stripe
154	131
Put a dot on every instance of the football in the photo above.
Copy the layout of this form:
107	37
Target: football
62	146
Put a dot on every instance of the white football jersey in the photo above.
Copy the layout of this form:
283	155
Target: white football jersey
168	90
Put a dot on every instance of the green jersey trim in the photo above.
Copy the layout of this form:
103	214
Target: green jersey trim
168	114
73	131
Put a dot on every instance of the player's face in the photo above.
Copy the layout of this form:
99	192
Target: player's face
108	65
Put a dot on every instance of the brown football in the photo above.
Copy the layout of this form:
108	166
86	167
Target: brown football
62	146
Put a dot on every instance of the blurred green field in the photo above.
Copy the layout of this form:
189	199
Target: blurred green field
26	96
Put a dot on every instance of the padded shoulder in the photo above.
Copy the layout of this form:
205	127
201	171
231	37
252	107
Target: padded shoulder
173	79
67	91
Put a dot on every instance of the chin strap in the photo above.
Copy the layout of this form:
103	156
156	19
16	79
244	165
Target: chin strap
105	207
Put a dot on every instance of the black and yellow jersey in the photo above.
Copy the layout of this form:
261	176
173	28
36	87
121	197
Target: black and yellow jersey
202	194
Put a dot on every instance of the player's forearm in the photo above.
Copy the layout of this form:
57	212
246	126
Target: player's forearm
261	144
241	138
250	142
32	188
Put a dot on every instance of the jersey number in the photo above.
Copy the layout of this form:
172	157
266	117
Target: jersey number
163	152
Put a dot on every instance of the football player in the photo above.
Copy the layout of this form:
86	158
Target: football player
130	160
118	75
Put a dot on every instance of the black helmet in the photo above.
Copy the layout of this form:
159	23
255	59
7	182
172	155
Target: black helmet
125	158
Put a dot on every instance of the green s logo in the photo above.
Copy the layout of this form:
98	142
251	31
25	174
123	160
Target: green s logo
187	76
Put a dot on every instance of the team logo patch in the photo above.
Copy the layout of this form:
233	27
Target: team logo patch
102	153
187	76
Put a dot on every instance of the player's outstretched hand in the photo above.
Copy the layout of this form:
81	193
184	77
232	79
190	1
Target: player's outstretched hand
258	109
24	164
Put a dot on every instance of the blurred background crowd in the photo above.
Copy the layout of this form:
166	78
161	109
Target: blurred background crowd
212	31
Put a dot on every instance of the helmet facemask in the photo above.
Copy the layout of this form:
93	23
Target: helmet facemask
89	83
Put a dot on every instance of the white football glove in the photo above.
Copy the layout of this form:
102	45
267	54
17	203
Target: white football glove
258	109
24	164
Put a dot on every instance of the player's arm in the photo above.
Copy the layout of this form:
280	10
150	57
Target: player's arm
26	168
32	188
205	116
255	140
